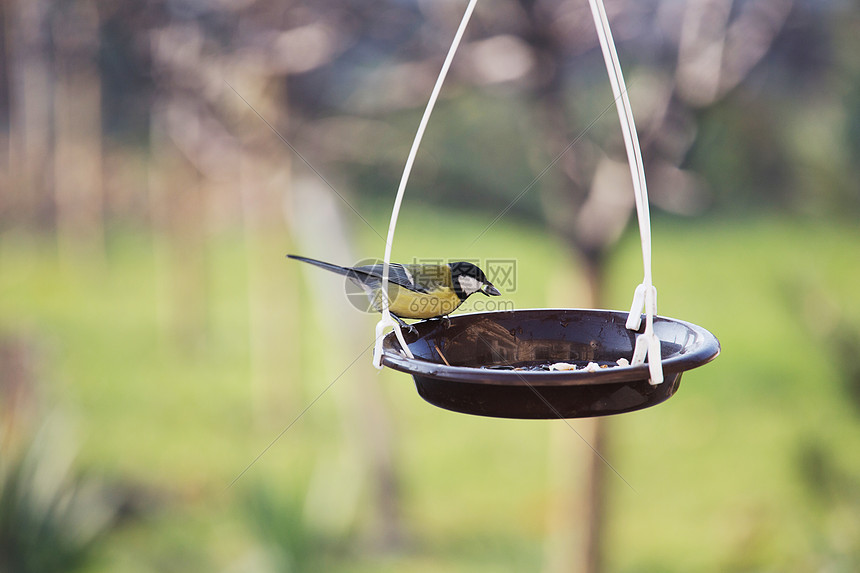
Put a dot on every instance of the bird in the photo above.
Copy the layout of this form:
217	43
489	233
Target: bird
415	291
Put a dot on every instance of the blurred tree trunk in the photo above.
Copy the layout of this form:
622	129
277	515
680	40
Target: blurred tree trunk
77	137
593	491
366	420
577	474
585	207
5	80
30	89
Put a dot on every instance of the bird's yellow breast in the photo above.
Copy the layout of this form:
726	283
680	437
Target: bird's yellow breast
409	304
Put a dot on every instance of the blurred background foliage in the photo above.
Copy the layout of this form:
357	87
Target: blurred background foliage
175	396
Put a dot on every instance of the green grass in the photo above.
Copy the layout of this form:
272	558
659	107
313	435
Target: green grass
715	470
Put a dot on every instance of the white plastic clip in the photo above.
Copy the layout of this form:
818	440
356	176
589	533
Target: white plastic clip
634	319
384	323
647	343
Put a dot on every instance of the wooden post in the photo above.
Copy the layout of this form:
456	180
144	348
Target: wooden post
264	185
320	232
179	214
30	89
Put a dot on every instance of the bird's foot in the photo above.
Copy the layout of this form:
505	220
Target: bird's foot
409	328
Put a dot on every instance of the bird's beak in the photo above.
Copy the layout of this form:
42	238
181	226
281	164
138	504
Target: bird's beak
490	290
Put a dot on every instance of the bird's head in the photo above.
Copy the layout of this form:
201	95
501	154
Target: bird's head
469	279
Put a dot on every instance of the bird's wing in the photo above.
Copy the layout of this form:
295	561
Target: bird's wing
418	278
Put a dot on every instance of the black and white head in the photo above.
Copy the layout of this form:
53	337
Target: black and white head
469	279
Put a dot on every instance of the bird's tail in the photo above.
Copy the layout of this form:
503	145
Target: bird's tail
327	266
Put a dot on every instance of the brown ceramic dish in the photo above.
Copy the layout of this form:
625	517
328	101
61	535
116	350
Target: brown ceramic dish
482	351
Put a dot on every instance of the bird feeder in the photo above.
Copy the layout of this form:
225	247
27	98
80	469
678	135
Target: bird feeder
496	363
548	363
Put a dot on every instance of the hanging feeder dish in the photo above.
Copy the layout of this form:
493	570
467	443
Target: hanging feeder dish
545	363
496	363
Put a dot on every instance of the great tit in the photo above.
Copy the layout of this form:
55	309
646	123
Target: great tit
417	290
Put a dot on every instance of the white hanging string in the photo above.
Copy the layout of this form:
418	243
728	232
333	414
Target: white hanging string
386	320
647	344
